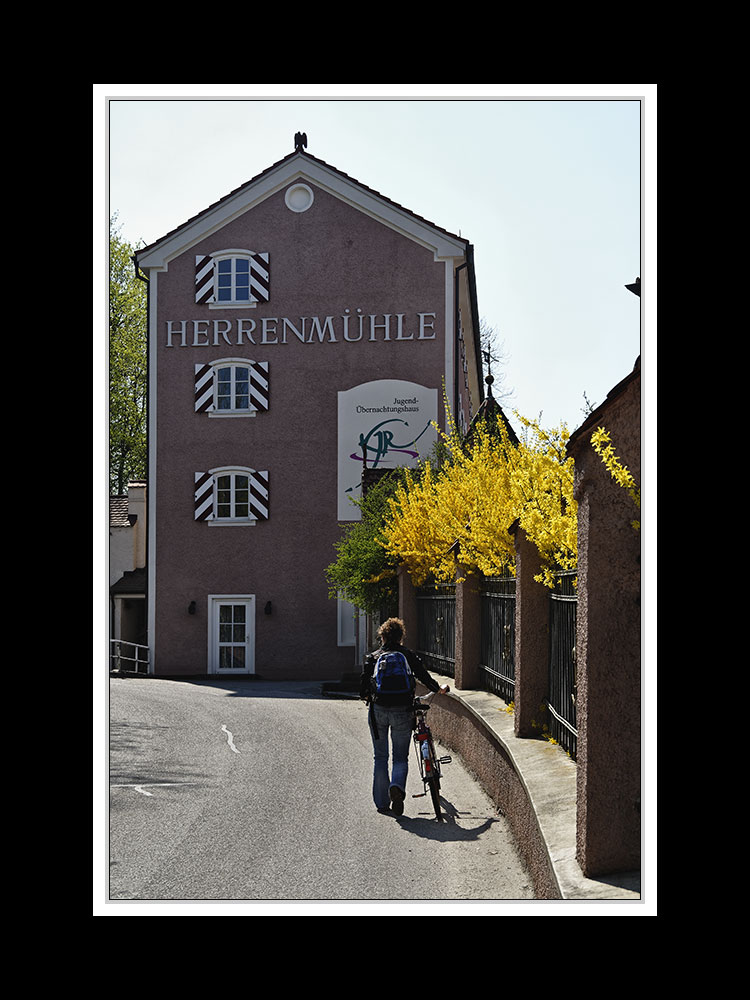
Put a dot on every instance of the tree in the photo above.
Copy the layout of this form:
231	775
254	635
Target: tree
363	572
128	377
494	353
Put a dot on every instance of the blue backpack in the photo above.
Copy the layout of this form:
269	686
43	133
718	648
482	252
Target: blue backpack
392	675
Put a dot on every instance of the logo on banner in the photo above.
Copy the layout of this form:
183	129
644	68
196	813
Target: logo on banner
384	425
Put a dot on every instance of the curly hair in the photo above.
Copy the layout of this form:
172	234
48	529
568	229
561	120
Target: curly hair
391	632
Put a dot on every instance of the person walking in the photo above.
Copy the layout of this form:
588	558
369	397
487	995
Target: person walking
387	686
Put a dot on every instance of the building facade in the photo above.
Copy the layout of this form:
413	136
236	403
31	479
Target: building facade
300	327
127	574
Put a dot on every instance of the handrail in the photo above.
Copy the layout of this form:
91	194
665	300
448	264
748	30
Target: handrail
116	655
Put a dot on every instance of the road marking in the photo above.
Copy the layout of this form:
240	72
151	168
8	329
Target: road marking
230	739
156	784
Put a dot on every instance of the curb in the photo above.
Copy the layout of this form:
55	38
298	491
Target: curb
548	777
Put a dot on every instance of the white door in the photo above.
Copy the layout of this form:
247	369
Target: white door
232	634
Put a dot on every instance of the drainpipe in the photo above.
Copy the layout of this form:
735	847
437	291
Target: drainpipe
456	356
468	264
475	317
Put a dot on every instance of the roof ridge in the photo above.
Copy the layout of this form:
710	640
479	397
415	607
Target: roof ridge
275	166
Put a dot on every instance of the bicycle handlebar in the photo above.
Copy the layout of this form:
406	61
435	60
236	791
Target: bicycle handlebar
425	699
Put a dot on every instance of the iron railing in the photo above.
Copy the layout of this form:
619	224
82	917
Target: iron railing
498	636
133	658
436	628
562	662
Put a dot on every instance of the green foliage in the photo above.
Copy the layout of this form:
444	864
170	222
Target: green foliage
128	375
363	572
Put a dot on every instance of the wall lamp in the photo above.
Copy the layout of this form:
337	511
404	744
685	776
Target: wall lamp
191	608
268	609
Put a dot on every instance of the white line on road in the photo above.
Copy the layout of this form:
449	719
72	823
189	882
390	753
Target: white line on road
230	739
157	784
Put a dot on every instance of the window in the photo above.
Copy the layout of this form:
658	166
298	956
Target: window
231	387
232	278
231	496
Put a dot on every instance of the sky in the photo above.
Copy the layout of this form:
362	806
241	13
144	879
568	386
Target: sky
547	184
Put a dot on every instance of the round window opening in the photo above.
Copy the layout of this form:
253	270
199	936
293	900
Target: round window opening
299	197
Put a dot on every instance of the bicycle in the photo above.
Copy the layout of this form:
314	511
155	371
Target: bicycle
429	762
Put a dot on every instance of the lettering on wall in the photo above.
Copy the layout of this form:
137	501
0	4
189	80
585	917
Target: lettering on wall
348	327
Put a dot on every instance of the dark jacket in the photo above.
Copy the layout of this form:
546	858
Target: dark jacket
395	700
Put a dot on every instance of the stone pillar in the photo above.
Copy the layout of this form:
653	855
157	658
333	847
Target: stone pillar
407	606
609	698
608	642
468	630
532	640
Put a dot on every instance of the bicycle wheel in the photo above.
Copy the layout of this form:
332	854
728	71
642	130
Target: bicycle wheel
435	795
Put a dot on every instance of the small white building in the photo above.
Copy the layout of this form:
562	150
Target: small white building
127	573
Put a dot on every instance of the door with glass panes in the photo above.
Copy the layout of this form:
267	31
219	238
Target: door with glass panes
232	634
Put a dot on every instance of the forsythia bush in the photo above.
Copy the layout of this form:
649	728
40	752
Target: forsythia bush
543	485
475	496
602	445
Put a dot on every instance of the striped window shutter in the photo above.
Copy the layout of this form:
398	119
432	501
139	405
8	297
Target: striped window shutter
260	277
204	279
204	388
204	496
259	494
259	384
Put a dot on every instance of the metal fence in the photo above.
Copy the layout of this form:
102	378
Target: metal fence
131	656
436	628
562	662
498	636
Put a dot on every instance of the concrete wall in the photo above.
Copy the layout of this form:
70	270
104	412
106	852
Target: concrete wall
486	757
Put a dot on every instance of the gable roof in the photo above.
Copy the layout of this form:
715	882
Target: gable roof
489	411
118	511
300	165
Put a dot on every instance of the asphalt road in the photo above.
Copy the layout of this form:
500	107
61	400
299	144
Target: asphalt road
262	791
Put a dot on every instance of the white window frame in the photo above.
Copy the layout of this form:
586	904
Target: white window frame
232	471
233	302
232	411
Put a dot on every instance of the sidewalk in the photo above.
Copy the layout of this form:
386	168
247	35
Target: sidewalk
548	777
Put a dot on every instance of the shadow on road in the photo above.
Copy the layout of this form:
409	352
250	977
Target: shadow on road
452	828
255	688
130	763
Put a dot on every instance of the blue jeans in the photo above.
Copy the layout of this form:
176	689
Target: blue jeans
398	722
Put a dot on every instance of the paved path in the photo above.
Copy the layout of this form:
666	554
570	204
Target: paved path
260	791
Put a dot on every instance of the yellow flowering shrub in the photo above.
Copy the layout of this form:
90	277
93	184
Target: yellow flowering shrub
602	445
411	533
543	490
475	496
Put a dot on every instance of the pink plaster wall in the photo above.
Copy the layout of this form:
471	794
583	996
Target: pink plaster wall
608	704
323	261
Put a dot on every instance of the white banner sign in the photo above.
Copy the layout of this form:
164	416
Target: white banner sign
387	423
